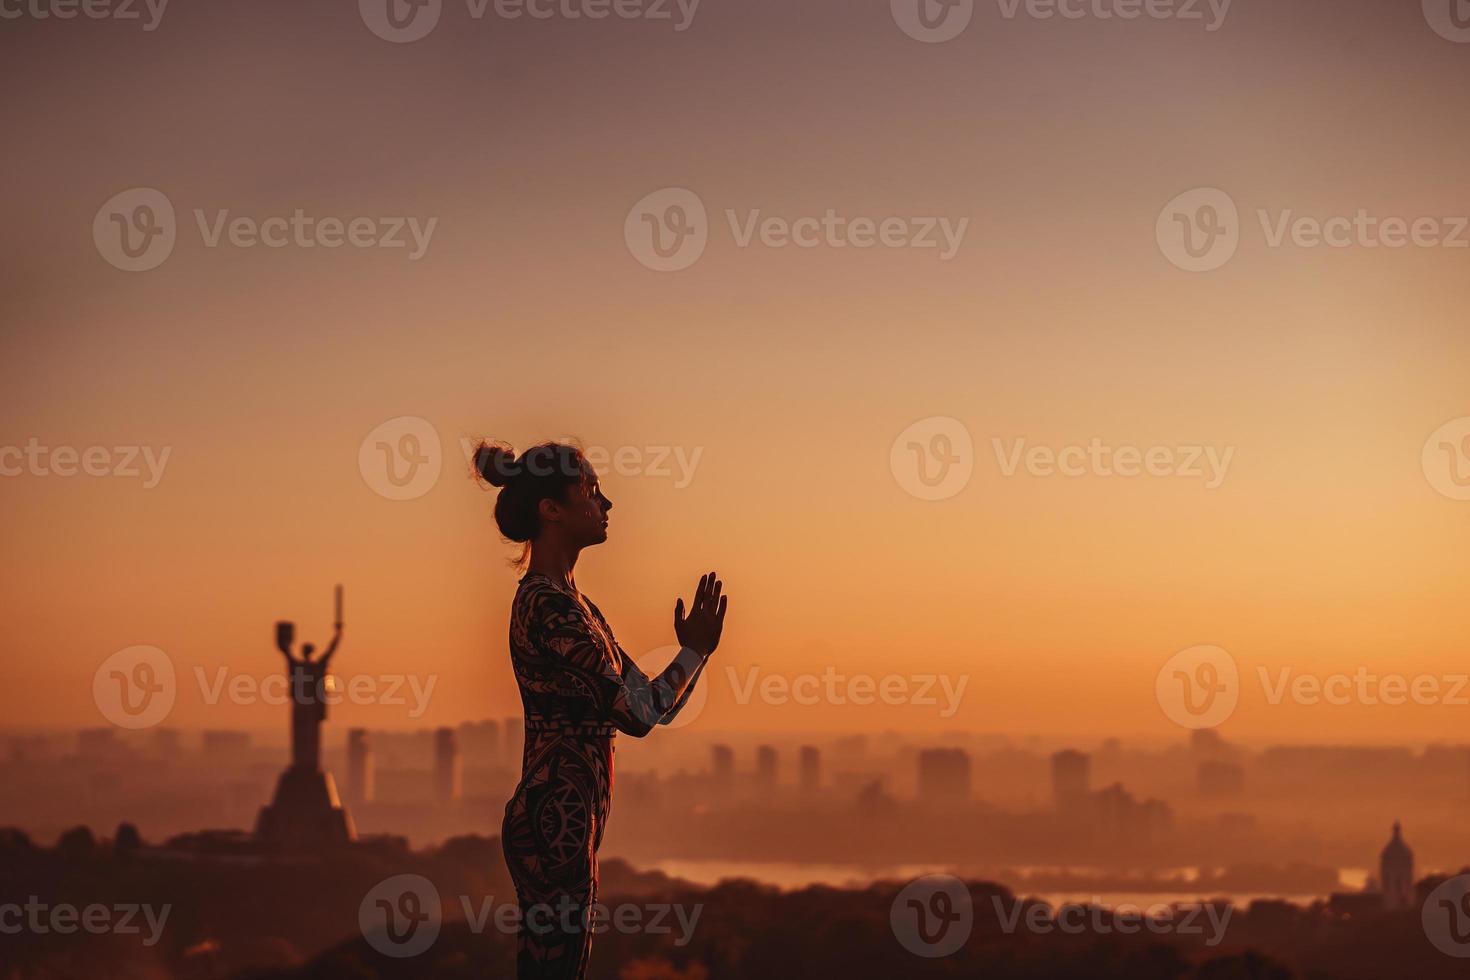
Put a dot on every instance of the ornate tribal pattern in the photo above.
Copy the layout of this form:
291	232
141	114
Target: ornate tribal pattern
579	689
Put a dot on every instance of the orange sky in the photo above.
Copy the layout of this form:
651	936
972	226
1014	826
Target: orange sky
791	371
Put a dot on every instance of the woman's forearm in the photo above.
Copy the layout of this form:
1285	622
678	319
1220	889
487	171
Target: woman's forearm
680	674
683	698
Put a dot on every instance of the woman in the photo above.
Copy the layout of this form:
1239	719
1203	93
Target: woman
579	689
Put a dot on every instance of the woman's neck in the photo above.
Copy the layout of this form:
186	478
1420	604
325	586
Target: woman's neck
555	562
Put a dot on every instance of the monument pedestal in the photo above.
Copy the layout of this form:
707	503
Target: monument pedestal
305	813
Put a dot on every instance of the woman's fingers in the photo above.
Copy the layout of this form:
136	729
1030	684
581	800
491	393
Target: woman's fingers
720	612
708	596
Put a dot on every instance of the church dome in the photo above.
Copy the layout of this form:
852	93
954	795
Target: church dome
1396	851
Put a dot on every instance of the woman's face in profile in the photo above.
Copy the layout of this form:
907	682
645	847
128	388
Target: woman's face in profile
586	512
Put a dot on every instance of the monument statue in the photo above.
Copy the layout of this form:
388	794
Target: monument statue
308	691
306	812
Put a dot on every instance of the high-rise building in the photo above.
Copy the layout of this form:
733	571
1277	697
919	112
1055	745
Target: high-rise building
874	799
479	741
1071	779
1396	872
722	764
448	778
810	769
1206	743
765	765
944	776
359	767
1117	813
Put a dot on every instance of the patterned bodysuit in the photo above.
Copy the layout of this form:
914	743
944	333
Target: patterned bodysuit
579	689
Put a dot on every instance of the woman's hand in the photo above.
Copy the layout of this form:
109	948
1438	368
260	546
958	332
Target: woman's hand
700	630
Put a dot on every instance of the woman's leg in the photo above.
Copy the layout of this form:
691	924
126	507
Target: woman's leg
555	939
549	837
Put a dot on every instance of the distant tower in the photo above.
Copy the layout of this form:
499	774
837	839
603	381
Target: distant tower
1206	743
1071	779
448	781
810	769
1396	872
765	765
944	776
722	761
359	767
479	742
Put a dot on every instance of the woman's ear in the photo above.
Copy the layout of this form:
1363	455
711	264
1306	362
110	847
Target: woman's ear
548	510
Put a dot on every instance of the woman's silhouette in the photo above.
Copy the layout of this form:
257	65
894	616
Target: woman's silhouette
579	689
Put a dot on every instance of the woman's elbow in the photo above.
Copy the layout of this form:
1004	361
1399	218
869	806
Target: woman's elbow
635	727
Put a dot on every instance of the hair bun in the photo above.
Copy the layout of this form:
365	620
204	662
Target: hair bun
494	461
